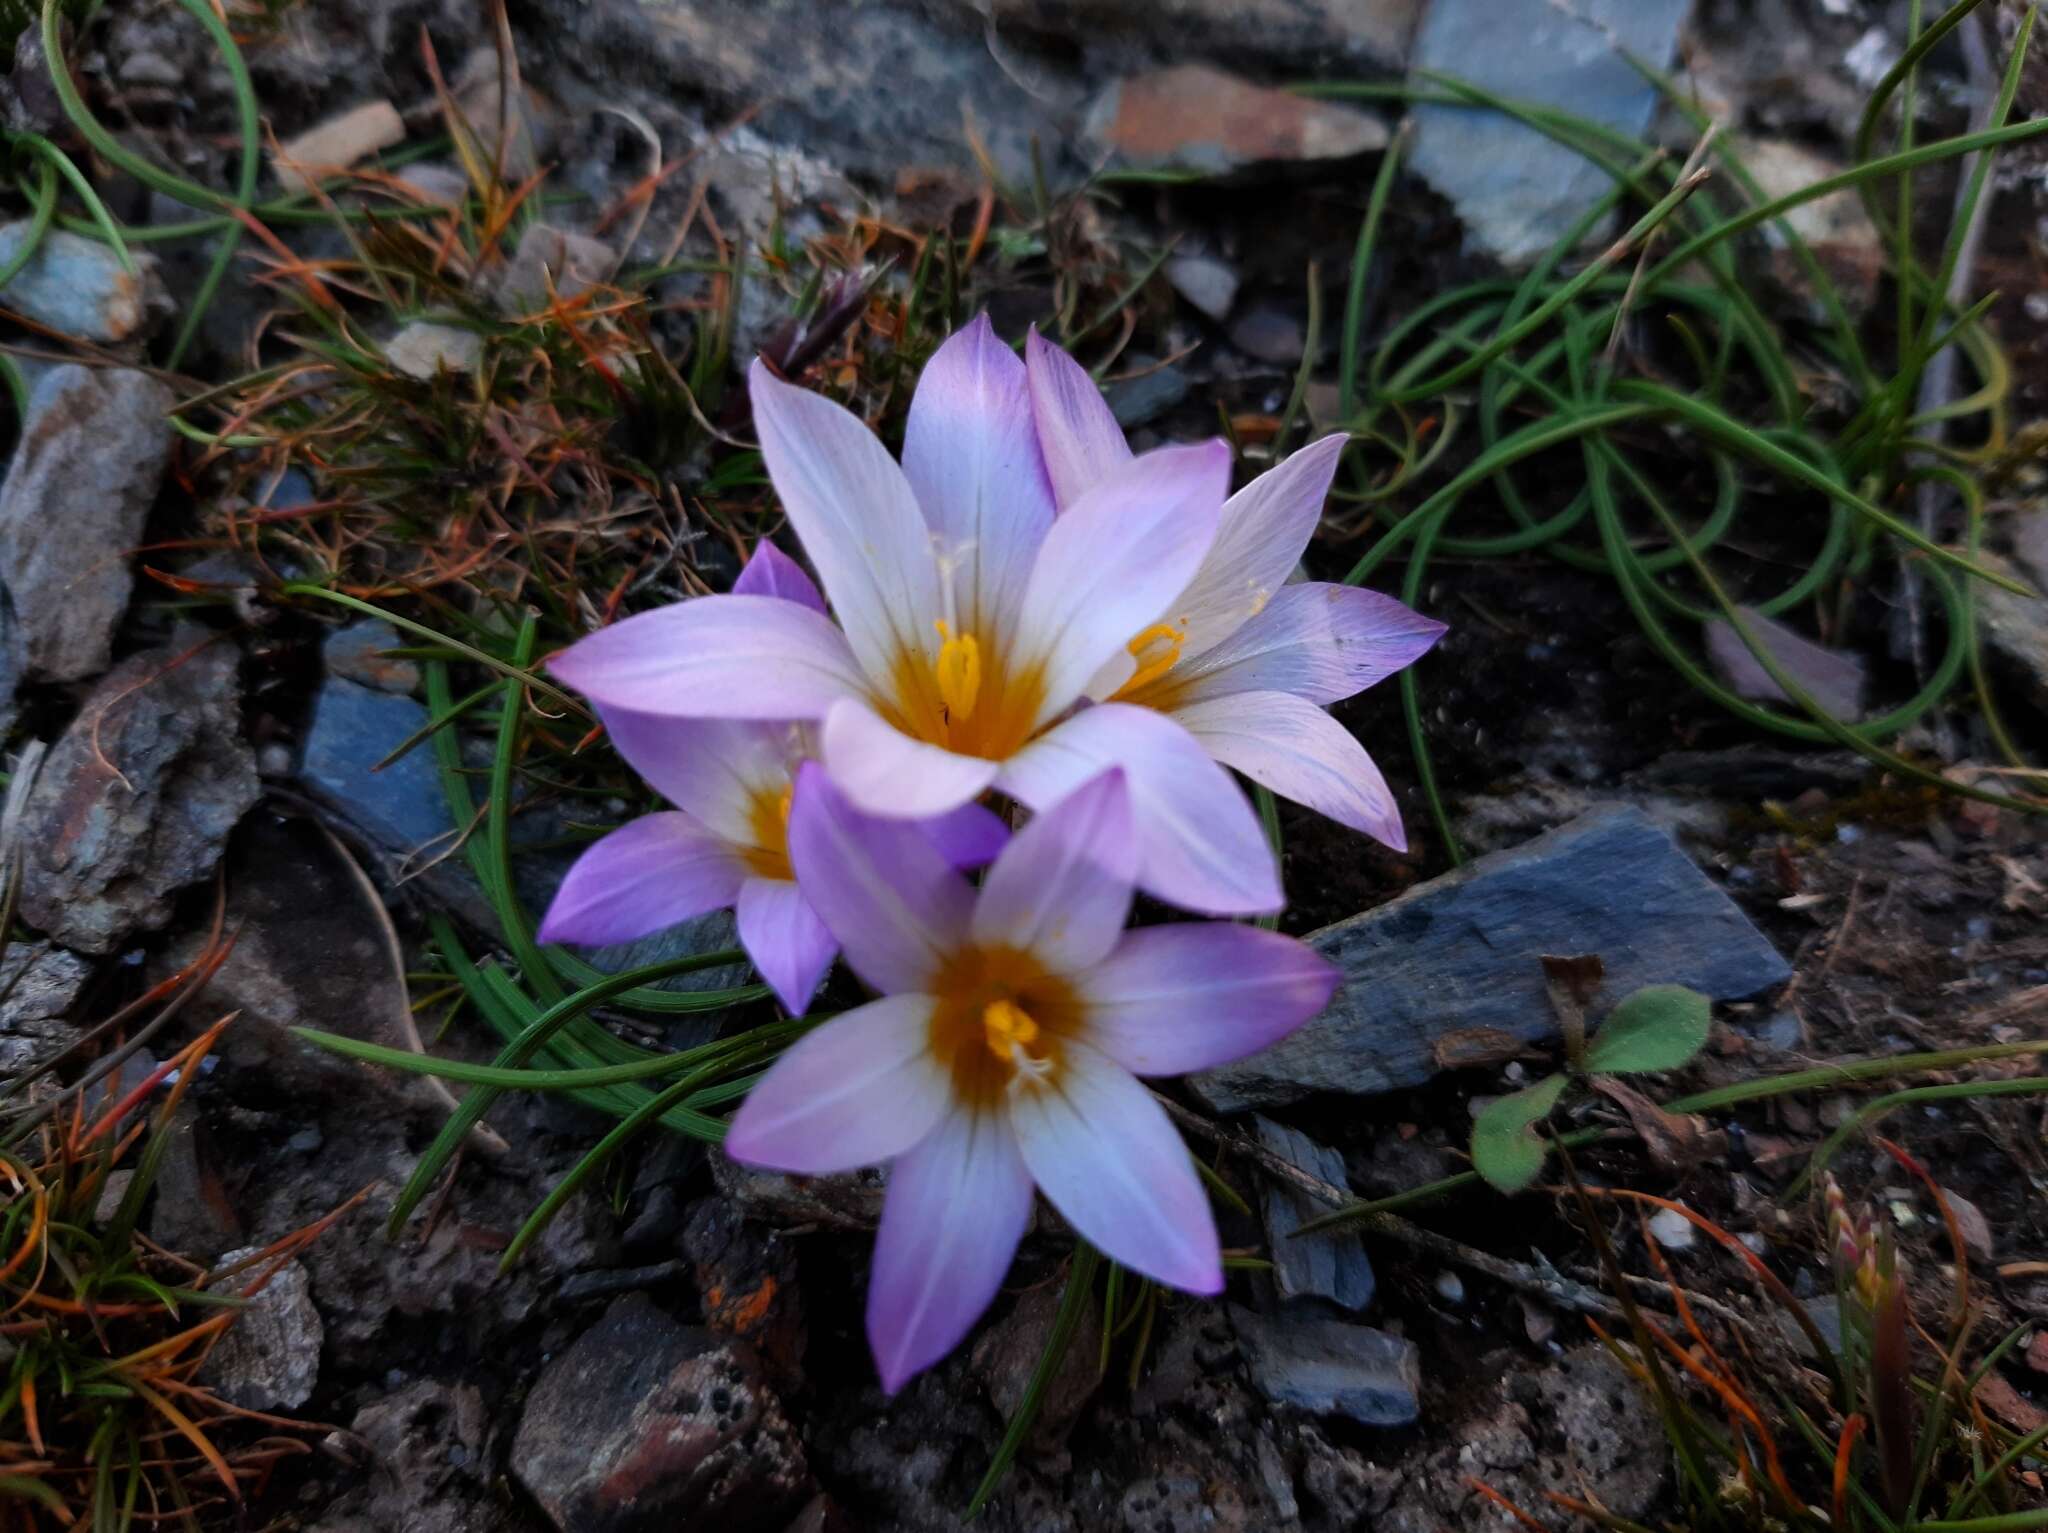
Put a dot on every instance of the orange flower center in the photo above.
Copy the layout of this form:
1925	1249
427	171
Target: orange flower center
970	698
1002	1022
768	817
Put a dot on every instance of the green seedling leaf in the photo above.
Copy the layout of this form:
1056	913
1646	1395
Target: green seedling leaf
1660	1027
1505	1147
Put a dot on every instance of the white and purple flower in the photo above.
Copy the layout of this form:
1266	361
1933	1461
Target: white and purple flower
726	841
1243	661
1003	1053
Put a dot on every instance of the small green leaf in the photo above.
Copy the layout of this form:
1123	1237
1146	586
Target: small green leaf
1660	1027
1505	1148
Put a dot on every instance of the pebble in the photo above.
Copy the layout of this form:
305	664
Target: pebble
78	286
1672	1230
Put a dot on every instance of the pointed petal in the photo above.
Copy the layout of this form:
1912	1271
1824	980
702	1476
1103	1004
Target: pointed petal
1062	889
1077	430
1200	845
971	455
857	518
885	772
1259	539
1110	1162
957	1205
880	886
859	1090
716	657
1198	994
649	873
1319	641
787	942
1290	745
970	837
771	572
1114	560
712	769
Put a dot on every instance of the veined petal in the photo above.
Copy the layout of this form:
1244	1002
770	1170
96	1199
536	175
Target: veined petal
970	837
1061	891
857	518
860	1090
1113	561
1290	745
885	772
713	769
1200	845
1198	994
971	454
1077	430
771	572
789	945
880	886
649	873
957	1205
1319	641
1259	540
1109	1160
716	657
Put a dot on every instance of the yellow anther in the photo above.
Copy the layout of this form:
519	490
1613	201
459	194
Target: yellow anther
1157	651
1008	1029
959	673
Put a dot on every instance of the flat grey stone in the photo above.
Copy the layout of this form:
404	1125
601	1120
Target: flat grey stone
1516	190
78	286
91	459
358	651
39	982
1331	1367
1462	952
1333	1267
269	1359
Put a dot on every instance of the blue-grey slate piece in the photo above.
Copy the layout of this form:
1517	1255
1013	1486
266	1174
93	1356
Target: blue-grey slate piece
1463	951
1333	1267
1331	1367
1517	191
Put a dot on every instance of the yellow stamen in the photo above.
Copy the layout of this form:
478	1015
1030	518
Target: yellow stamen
1008	1029
1156	651
959	672
768	814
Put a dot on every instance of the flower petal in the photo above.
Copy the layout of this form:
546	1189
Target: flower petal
957	1205
971	454
1259	540
1113	561
859	1090
1062	889
1290	745
885	772
771	572
649	873
1110	1162
787	942
857	518
1319	641
712	769
1198	994
716	657
1077	430
880	886
970	837
1200	845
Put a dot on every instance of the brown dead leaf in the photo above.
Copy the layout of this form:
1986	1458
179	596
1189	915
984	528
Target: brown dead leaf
1468	1048
1572	982
1675	1140
2037	1352
2001	1400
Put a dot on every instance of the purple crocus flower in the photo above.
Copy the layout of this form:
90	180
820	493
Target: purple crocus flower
726	841
969	621
1240	659
1004	1050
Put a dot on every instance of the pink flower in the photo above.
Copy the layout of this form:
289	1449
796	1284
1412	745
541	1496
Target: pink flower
1003	1053
726	841
1243	661
967	621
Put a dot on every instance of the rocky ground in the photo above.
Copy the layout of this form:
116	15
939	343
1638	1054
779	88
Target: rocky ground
682	1347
